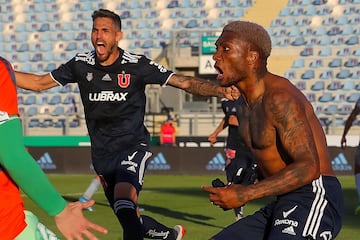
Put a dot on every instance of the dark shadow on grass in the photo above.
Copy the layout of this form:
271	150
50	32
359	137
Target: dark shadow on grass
194	218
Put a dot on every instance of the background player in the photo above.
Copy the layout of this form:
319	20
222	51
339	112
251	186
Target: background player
348	124
239	165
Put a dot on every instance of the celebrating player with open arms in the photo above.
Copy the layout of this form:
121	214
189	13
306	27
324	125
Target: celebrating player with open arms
280	127
112	86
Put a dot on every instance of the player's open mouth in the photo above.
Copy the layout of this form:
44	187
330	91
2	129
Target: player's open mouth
100	48
220	73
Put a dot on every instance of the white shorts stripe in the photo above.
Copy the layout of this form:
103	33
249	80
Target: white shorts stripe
317	209
142	167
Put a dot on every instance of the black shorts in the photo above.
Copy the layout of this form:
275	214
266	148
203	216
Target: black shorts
314	211
127	166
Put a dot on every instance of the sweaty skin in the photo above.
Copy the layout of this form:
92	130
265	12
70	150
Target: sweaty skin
278	125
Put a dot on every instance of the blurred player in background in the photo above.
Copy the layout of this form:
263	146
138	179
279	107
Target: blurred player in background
348	124
239	165
19	169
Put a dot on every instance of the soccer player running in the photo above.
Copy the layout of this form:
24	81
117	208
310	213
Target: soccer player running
348	123
240	164
112	86
19	169
288	143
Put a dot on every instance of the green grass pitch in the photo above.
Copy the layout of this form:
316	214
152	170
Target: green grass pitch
178	200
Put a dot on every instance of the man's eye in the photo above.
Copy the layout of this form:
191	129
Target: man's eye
226	49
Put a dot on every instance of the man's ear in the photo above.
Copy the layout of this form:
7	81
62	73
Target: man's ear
253	56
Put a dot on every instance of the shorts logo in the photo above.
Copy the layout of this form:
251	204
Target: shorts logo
287	213
326	235
289	230
132	165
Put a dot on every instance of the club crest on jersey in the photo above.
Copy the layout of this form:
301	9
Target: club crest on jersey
124	79
89	76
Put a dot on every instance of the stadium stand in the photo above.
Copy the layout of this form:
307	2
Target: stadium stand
315	45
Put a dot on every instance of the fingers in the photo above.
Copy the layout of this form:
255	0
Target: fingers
87	204
208	189
97	228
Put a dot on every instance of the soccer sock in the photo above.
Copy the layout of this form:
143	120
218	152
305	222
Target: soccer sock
125	210
239	212
155	230
92	188
357	181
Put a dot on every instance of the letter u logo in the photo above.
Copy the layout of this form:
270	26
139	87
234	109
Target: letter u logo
124	80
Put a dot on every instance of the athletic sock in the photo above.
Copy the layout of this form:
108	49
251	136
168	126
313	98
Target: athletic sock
155	230
125	210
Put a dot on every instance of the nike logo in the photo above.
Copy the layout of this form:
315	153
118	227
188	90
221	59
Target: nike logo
287	213
130	157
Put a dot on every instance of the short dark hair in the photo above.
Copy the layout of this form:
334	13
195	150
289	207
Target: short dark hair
104	13
252	33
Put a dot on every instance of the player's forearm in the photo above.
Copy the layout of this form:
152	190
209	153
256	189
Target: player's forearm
34	82
290	178
197	86
24	170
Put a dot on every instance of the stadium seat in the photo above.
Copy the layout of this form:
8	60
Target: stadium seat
326	97
334	85
32	111
58	111
325	52
353	40
34	122
56	99
307	51
331	109
335	63
308	74
301	85
316	63
299	41
355	74
345	51
351	62
290	74
339	98
345	109
343	74
318	86
31	99
298	63
348	86
353	97
311	97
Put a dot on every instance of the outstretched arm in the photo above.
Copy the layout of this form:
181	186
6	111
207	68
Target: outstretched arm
213	136
27	174
34	82
348	124
203	87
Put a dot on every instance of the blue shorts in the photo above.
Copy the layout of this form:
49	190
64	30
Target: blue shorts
127	166
314	211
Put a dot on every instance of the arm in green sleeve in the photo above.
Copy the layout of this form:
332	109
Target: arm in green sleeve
24	170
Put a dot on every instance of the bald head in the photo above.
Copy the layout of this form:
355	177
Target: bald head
252	33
